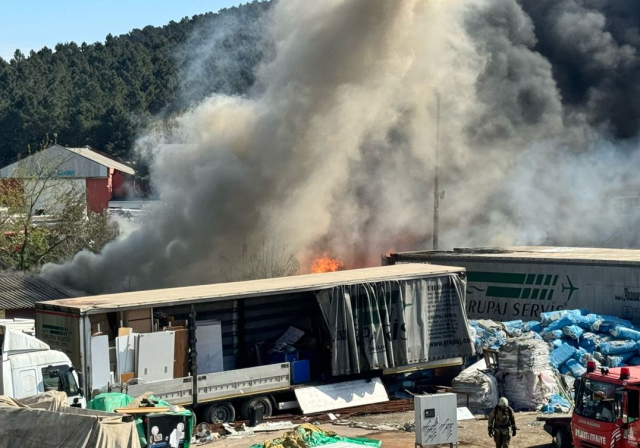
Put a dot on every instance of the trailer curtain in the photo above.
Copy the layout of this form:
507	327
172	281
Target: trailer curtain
376	326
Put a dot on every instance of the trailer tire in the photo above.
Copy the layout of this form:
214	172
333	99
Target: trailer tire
255	402
562	439
222	412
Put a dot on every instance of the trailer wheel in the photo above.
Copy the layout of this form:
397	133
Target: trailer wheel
223	412
562	438
256	402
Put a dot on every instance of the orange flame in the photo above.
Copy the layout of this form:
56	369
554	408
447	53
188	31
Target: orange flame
326	264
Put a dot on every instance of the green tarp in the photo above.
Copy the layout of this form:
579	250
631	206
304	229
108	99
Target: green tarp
309	436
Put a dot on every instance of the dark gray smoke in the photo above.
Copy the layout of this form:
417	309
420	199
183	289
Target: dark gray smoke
593	48
333	149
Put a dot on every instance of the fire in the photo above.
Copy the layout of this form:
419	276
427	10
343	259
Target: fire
326	264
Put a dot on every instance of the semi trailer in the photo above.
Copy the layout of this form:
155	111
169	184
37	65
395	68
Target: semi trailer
258	344
521	282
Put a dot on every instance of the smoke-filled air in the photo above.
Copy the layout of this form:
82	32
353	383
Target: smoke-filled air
332	152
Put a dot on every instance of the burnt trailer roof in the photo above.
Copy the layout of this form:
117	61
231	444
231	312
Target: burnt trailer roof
529	254
245	289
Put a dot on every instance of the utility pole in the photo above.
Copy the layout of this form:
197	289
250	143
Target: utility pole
436	184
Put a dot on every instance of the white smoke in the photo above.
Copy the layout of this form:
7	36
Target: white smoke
332	149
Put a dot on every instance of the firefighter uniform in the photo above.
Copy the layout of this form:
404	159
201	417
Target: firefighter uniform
502	424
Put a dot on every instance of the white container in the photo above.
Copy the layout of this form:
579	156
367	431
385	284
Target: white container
436	419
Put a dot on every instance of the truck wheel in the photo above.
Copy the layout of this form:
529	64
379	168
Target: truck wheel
223	412
256	402
562	438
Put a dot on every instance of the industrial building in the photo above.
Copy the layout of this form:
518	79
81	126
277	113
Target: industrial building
98	176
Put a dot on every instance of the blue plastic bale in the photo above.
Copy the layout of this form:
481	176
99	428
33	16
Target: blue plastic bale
564	369
577	369
581	355
588	341
547	318
635	361
561	323
561	354
613	320
556	404
617	347
586	322
573	331
620	360
513	327
621	332
516	324
558	342
605	323
551	335
533	325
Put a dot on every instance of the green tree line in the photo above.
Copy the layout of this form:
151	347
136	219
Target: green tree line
106	93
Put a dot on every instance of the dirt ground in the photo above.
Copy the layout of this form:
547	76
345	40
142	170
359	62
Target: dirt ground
471	433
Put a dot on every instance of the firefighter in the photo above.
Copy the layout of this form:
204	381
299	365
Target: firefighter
601	407
501	420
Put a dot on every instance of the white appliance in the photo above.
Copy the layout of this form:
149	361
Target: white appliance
209	346
436	419
154	355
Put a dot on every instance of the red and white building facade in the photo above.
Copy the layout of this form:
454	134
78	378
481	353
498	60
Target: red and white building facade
99	177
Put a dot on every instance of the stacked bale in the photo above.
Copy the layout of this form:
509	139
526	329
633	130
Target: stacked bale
571	338
525	372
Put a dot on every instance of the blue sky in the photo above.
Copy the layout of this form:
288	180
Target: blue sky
33	24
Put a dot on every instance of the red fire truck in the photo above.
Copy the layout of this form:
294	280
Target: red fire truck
606	413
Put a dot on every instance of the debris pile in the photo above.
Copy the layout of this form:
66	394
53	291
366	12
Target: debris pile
309	436
562	341
477	389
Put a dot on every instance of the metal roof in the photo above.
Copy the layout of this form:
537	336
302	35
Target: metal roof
252	288
80	160
582	255
23	291
90	154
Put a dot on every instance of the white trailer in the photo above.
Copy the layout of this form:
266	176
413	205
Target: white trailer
509	283
362	323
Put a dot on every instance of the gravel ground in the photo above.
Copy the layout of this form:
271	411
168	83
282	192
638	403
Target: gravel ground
471	433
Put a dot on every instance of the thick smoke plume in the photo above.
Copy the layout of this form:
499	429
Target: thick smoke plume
333	149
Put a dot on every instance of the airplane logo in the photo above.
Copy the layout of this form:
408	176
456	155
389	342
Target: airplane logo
571	288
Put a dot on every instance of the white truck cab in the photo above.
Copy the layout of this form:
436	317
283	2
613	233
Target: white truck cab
30	367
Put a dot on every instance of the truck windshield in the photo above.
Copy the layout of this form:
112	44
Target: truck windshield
71	386
599	401
60	378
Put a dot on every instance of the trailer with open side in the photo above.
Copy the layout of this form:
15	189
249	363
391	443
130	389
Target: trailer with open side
358	325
